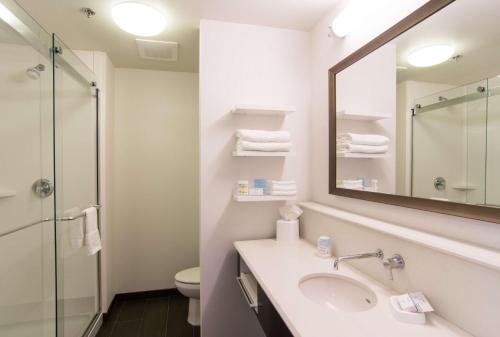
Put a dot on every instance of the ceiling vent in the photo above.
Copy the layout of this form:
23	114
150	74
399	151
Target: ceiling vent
157	50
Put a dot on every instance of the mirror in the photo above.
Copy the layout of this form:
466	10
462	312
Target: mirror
415	114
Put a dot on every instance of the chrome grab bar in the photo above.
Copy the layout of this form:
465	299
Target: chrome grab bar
81	215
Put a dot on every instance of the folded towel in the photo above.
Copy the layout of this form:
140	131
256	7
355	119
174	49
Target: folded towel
92	237
243	145
283	193
359	139
263	136
291	187
353	148
281	182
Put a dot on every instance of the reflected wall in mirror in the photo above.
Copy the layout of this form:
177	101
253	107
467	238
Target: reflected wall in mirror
415	114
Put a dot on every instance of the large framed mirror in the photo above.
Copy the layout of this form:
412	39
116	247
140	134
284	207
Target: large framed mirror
415	113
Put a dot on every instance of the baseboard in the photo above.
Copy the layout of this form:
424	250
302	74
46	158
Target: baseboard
139	295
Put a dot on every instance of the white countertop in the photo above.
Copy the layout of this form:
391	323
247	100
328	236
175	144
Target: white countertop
278	267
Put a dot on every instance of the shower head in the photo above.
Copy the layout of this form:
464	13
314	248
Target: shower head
34	72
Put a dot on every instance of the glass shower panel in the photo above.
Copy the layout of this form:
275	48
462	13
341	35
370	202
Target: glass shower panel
493	144
76	187
449	134
27	248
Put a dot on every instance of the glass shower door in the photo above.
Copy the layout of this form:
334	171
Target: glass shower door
27	270
75	116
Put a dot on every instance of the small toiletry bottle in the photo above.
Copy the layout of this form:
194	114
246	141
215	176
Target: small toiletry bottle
324	246
260	183
374	185
243	187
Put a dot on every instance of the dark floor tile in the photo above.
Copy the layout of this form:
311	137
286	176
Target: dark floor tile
126	329
154	320
177	325
131	310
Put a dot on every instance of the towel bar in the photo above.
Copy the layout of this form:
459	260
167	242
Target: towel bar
81	215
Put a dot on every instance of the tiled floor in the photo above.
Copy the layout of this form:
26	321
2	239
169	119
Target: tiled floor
149	317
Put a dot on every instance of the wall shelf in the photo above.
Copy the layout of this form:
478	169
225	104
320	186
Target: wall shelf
365	189
361	117
361	155
257	198
262	110
4	193
261	154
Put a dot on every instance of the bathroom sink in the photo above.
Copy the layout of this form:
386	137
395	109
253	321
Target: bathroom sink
338	292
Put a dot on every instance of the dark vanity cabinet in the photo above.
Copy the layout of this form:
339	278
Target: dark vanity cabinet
271	322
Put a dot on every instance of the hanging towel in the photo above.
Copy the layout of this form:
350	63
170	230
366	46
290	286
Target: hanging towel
359	139
92	237
263	136
243	145
76	233
353	148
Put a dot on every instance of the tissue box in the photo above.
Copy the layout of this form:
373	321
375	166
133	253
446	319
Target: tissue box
287	230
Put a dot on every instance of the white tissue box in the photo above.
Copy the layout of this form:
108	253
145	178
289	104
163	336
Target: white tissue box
287	230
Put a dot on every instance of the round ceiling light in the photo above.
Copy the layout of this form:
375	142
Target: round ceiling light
430	56
138	19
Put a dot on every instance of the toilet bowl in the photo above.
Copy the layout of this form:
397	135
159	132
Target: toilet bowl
188	283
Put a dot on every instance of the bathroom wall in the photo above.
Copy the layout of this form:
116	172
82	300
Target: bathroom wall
155	172
449	281
244	64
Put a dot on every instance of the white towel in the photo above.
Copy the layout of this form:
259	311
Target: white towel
353	148
281	182
76	233
290	187
283	193
359	139
262	136
92	237
243	145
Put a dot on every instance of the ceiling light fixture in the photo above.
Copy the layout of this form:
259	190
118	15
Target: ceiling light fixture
431	55
138	19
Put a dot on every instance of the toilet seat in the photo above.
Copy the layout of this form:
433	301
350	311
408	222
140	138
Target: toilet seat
189	276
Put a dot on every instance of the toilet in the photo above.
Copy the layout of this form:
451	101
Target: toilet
188	283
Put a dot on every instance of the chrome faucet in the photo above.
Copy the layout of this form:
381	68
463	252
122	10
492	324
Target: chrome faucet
378	254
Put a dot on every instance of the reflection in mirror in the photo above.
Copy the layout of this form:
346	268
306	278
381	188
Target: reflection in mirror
420	116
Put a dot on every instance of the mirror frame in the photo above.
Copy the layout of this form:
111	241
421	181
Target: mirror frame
483	213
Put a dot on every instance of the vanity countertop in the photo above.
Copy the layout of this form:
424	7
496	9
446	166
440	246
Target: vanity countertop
279	267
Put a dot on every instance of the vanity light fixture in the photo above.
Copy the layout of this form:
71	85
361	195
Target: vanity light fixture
431	55
138	19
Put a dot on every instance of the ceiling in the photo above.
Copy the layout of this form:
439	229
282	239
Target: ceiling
100	33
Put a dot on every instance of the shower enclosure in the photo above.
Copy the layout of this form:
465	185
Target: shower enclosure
48	175
456	144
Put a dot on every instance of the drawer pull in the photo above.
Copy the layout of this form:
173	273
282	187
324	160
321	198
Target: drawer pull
252	305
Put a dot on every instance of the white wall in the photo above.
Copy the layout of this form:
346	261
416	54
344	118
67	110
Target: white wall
244	64
477	284
155	172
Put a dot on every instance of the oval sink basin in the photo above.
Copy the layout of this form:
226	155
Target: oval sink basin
338	292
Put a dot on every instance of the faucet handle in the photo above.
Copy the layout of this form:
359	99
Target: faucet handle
394	262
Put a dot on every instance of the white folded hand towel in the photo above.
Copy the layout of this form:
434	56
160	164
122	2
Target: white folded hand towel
281	182
353	148
291	187
360	139
283	193
263	136
92	237
244	145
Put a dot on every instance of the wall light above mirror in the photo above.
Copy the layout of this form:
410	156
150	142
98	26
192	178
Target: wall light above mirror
415	113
